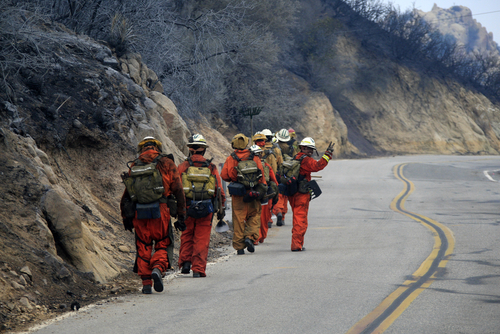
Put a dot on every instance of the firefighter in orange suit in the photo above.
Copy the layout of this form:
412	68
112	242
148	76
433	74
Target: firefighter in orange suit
300	201
246	206
193	252
151	267
270	177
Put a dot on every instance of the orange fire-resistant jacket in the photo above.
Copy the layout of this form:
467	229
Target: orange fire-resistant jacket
309	165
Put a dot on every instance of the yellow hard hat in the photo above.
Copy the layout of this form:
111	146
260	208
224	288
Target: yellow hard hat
149	141
239	142
259	136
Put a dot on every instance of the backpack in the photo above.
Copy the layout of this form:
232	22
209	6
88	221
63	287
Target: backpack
198	182
286	151
266	171
289	168
144	183
267	153
249	173
289	176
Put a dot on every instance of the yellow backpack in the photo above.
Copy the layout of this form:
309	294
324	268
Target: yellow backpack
198	182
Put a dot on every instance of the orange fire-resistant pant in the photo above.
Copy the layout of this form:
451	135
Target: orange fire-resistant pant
147	230
246	221
194	243
281	206
265	217
300	208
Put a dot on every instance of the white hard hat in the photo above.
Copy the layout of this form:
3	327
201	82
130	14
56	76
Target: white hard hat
197	139
255	149
266	132
308	142
283	135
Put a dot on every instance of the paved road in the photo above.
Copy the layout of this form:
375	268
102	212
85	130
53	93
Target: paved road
394	245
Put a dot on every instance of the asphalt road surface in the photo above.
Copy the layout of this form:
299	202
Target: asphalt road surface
394	245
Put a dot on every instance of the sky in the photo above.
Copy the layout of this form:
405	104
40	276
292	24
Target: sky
479	9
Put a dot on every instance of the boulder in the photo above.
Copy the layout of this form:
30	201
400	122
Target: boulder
65	220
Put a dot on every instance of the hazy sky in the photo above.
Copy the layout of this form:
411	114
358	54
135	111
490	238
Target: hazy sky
479	9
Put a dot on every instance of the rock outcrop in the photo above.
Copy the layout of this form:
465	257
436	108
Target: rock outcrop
457	21
322	122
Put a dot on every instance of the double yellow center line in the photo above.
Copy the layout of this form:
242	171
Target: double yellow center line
394	305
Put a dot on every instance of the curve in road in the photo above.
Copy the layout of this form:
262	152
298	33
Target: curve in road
394	305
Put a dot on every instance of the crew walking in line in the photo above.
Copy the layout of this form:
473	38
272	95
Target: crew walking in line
201	181
152	178
300	200
248	187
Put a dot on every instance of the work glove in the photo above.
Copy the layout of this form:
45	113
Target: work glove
221	214
251	196
179	224
329	152
291	180
128	223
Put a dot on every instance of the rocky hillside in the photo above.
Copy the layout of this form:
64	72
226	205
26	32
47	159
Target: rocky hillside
392	108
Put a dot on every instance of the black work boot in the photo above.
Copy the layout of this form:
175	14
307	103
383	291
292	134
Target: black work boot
240	251
269	224
157	279
280	221
249	244
186	267
196	274
146	289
